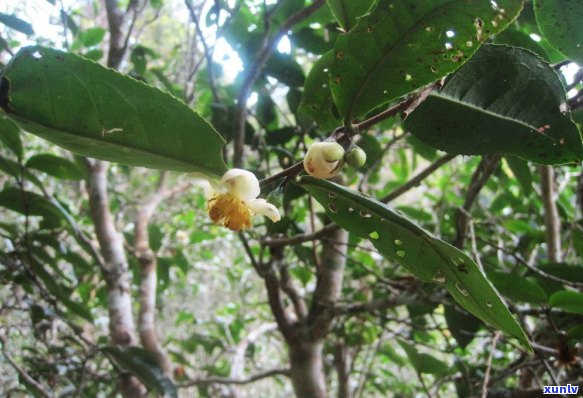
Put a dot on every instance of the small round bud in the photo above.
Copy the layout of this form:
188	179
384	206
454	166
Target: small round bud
355	157
324	159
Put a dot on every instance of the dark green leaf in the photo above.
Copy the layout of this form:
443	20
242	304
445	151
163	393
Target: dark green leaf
92	36
97	112
560	23
403	45
10	135
311	40
12	21
487	108
462	325
567	300
424	363
56	166
425	256
280	136
317	99
522	173
518	288
144	366
286	69
517	38
32	204
346	11
58	290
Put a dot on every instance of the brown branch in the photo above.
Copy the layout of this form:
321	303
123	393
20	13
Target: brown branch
148	268
225	380
340	135
290	290
238	359
43	390
552	219
251	74
116	20
298	239
272	284
329	283
207	52
479	178
489	365
371	306
417	179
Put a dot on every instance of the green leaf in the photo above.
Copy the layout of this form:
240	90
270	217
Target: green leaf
286	69
567	300
59	291
32	204
97	112
144	366
560	23
12	21
521	171
518	288
56	166
10	135
92	37
462	325
424	363
317	99
425	256
403	45
520	39
346	11
487	108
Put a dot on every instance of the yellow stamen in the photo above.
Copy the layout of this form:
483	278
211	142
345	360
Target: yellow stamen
225	209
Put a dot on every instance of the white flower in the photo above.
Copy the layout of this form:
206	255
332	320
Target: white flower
324	159
234	200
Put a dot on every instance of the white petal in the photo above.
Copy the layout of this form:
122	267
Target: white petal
241	183
324	159
262	208
210	184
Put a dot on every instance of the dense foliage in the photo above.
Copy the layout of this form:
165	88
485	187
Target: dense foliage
148	275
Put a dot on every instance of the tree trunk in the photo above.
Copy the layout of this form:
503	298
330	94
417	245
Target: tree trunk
115	270
306	359
342	370
307	369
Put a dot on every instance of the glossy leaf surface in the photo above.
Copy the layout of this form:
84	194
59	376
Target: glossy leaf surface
425	256
505	101
97	112
403	45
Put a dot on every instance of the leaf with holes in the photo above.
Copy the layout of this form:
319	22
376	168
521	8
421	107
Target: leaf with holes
425	256
97	112
506	101
403	45
346	11
560	23
316	99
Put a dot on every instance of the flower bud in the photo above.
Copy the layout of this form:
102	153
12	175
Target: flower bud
324	159
355	156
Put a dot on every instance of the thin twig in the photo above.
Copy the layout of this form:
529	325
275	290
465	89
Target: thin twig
269	45
489	365
225	380
417	179
44	391
339	135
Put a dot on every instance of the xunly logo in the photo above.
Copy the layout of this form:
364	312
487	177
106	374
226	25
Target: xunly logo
568	389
